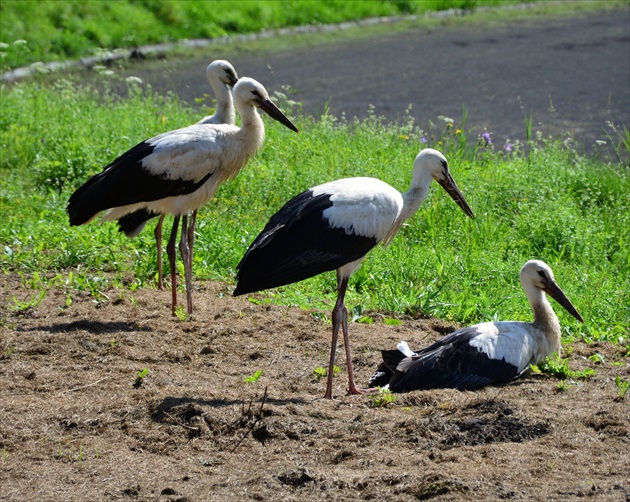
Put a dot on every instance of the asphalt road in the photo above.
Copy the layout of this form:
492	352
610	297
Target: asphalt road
571	74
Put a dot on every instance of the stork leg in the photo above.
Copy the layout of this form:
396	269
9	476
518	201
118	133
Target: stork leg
191	235
185	251
158	241
340	319
172	256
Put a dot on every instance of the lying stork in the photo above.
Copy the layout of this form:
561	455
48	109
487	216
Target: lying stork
332	227
222	77
177	172
483	354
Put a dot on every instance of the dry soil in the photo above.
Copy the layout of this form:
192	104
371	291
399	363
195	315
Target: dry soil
74	427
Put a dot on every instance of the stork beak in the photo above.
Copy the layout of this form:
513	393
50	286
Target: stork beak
553	290
456	194
275	113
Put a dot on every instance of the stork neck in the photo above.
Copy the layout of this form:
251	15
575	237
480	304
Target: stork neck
249	117
544	317
418	191
225	104
251	134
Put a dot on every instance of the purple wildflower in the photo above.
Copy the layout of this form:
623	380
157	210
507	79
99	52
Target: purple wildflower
487	138
508	147
423	140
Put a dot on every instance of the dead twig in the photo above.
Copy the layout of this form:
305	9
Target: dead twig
262	403
253	424
179	422
83	386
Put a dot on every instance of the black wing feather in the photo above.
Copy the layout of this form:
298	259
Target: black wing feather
451	362
130	223
386	370
125	181
298	243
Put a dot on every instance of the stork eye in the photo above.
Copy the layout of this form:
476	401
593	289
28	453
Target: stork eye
444	164
542	274
256	93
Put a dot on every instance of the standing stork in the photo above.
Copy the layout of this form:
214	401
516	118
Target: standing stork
483	354
177	172
222	77
332	227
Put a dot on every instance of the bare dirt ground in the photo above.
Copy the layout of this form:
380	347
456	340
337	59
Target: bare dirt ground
73	427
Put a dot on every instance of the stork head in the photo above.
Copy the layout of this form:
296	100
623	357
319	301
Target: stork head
537	274
221	71
249	92
433	162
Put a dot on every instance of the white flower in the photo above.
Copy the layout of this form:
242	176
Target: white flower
133	80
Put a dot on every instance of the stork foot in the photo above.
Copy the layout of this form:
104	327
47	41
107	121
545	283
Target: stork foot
357	390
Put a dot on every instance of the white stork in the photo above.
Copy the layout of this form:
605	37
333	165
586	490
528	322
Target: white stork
222	77
483	354
177	172
332	227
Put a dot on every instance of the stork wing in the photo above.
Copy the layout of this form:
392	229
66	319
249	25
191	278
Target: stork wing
451	362
297	243
174	163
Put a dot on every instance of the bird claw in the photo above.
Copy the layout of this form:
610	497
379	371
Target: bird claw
356	390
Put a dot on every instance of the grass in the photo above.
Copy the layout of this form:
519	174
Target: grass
540	200
321	372
382	398
622	387
559	367
66	29
139	379
46	31
253	378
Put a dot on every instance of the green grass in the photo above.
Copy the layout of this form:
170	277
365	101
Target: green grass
559	367
542	200
67	29
56	30
382	398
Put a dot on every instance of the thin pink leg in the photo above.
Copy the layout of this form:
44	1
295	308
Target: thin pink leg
352	387
191	235
342	286
184	249
158	241
336	317
340	319
172	256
